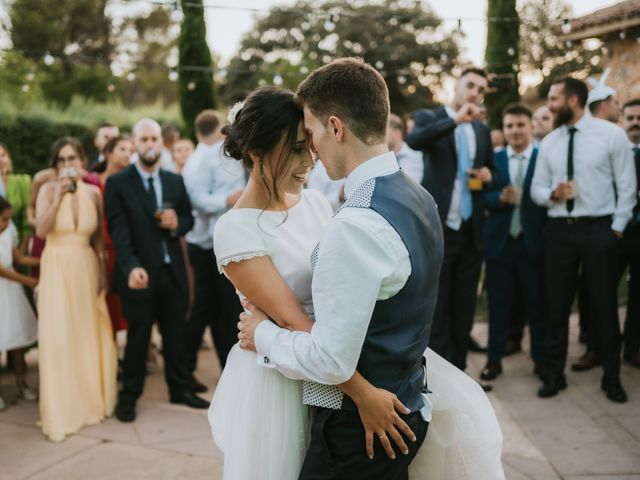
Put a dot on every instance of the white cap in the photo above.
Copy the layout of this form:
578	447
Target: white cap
600	90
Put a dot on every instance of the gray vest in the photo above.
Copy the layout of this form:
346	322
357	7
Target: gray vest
398	333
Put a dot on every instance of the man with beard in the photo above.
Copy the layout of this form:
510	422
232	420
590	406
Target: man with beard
458	160
585	176
147	211
631	243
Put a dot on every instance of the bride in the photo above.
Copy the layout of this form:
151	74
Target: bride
263	246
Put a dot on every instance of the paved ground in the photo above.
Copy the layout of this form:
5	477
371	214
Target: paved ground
577	435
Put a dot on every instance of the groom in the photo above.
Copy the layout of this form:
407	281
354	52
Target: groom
375	281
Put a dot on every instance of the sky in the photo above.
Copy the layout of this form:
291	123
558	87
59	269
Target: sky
225	28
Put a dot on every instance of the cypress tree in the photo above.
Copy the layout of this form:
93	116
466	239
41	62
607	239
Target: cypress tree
195	84
502	57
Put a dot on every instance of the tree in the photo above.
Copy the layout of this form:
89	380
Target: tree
543	51
501	57
403	39
195	86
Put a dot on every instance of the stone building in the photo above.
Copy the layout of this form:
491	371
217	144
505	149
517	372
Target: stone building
618	28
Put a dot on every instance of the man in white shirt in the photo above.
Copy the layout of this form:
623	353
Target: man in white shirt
585	176
409	160
374	283
214	183
631	242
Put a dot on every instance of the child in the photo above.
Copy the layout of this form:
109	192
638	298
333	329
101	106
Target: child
17	319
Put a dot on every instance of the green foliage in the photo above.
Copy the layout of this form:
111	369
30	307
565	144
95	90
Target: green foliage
542	50
195	86
30	131
501	57
403	39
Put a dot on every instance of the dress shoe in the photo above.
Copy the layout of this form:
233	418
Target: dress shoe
190	400
587	361
126	412
511	347
552	385
632	355
539	370
613	389
491	371
474	346
195	386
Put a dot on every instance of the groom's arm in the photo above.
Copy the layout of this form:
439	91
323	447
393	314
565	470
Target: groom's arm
354	261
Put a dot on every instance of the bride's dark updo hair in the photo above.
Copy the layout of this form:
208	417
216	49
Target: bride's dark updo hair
268	114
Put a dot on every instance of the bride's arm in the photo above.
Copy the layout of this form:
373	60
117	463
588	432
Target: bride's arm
261	283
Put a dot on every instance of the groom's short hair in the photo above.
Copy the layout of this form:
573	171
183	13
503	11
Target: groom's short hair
352	91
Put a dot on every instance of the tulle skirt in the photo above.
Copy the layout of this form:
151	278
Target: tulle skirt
464	440
258	421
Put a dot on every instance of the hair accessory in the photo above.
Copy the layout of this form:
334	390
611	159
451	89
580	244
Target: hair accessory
233	113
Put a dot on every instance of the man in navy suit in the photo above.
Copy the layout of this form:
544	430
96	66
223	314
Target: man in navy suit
458	165
513	241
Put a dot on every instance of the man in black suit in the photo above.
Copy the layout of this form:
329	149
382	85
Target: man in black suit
148	210
458	166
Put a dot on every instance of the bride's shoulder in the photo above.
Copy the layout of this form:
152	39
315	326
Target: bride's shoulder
235	220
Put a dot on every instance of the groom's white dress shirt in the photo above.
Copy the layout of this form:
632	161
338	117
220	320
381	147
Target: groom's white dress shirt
361	259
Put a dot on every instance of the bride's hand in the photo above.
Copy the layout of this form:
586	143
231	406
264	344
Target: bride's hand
378	410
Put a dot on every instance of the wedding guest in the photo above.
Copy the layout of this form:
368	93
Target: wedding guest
170	135
459	167
410	161
18	193
631	242
104	133
117	153
513	241
148	210
180	152
17	320
333	190
603	104
214	183
76	351
584	175
542	124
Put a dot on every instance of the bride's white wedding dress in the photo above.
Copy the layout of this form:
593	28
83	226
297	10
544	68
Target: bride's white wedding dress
257	417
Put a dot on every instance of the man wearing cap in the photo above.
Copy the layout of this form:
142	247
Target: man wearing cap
585	176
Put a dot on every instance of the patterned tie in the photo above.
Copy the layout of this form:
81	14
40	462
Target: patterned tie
570	201
464	163
516	224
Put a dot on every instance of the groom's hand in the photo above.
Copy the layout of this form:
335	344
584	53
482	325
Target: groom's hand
249	321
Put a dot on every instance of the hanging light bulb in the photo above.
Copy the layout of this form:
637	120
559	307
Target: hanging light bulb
30	76
329	25
277	80
623	35
48	59
111	88
511	51
304	69
25	88
191	86
566	26
176	14
379	64
173	75
131	76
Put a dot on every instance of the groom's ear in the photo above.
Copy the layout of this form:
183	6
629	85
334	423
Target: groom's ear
336	127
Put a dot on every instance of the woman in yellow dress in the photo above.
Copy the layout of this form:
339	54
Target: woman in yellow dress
77	354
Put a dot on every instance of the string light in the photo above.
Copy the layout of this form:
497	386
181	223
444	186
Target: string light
48	59
111	88
30	76
277	80
25	88
173	75
566	26
191	86
176	14
131	76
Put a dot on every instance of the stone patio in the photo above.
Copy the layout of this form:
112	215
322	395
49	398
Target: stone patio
576	435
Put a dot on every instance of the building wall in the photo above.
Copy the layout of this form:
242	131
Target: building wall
624	59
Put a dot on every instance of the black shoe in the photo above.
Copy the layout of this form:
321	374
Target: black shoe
539	370
613	389
195	386
588	361
126	412
512	346
474	346
190	399
491	371
632	355
554	382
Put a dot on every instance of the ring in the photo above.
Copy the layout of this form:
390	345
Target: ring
384	435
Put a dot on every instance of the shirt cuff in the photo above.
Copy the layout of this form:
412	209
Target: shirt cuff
545	193
264	336
618	224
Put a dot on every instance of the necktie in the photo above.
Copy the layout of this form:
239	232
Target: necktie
570	201
516	224
152	193
464	163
